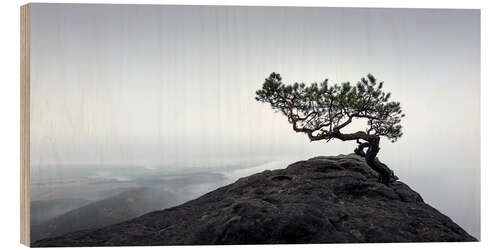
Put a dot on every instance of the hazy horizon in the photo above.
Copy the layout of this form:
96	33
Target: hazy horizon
159	85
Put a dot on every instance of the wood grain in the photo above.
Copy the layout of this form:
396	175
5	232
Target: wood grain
25	124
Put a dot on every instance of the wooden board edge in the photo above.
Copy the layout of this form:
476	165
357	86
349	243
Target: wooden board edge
25	124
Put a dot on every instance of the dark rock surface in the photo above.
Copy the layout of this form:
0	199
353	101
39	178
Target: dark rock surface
321	200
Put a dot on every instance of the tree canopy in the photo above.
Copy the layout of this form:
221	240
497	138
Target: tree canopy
321	111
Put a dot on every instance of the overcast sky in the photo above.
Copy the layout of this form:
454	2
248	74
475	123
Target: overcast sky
175	86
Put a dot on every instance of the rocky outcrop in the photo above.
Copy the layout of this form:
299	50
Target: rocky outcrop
321	200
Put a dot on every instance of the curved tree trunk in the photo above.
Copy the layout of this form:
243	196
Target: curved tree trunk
386	175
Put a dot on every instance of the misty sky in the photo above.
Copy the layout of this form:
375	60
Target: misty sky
174	86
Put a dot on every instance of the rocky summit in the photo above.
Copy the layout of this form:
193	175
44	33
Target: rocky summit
321	200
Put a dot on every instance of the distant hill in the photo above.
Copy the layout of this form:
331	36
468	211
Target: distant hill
321	200
118	208
43	210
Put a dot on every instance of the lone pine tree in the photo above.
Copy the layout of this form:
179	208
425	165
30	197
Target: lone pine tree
322	111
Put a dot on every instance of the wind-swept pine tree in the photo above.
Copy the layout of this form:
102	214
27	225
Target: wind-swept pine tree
322	111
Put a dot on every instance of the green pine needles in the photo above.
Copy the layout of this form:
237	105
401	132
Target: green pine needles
321	111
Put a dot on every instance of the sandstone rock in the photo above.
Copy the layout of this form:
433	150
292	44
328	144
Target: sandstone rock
321	200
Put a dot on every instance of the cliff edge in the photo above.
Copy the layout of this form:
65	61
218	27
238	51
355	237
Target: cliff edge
320	200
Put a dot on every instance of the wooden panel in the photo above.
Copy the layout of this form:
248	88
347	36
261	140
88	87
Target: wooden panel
25	124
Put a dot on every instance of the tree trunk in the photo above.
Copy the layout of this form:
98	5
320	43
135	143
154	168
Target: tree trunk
386	175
